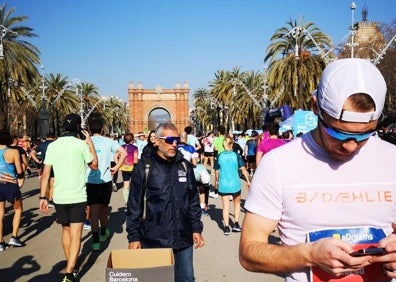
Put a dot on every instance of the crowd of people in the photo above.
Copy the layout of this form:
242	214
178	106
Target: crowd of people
307	187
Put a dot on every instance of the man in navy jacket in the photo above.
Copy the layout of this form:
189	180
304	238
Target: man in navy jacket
169	200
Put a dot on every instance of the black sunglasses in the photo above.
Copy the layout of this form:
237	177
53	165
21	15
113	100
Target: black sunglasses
170	139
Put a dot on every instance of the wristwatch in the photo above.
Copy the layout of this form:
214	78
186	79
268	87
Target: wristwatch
42	198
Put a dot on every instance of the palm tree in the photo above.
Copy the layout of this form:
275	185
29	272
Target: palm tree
222	91
89	96
239	98
61	99
296	55
202	114
19	62
116	115
122	117
248	104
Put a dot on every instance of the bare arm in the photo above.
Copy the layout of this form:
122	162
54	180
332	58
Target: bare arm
259	155
119	158
94	164
217	176
257	254
33	154
17	162
135	157
245	174
43	206
24	163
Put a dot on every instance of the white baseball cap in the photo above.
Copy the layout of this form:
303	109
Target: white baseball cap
345	77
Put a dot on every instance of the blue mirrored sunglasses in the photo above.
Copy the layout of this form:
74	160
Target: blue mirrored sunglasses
170	139
344	136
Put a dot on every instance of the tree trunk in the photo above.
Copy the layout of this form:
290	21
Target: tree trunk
3	109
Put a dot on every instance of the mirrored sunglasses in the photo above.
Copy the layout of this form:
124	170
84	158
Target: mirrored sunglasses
343	135
170	139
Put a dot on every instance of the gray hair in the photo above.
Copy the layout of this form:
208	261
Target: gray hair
164	126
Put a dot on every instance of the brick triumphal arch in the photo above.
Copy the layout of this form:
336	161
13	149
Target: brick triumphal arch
144	102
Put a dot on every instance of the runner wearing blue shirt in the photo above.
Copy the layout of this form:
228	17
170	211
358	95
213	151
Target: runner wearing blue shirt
227	182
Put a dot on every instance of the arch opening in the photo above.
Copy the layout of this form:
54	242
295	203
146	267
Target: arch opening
157	116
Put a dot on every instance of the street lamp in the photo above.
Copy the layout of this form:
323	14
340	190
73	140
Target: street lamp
3	33
78	84
260	104
78	88
300	31
383	51
101	99
11	83
353	28
44	106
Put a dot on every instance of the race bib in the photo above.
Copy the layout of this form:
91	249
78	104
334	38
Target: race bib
363	237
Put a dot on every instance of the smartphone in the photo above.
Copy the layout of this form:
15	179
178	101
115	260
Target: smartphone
368	252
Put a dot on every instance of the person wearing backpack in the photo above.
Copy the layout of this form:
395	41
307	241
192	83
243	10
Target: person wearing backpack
129	163
163	208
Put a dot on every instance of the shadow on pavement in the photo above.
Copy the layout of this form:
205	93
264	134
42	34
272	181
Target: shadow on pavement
54	275
25	266
33	226
87	257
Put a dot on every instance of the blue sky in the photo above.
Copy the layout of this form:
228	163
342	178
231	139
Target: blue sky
109	43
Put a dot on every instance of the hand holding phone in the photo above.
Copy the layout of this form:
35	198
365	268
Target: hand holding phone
369	252
81	134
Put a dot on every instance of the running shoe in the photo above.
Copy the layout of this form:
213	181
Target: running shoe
236	228
204	212
4	246
227	230
75	271
15	242
87	225
213	195
105	236
69	277
96	247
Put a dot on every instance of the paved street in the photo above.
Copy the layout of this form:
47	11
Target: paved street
42	258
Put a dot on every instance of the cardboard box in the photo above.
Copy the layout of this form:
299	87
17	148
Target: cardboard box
142	265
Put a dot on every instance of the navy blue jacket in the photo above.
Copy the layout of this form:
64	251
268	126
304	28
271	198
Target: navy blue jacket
172	205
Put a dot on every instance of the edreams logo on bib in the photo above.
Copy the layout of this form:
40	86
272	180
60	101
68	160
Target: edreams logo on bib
121	277
357	237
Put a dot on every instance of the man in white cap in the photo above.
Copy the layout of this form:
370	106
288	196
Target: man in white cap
330	192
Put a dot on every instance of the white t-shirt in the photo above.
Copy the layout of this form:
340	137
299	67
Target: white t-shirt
306	190
208	144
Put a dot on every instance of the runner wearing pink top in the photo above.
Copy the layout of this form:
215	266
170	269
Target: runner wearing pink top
272	142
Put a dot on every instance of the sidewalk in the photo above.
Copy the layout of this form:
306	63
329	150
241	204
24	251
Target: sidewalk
42	258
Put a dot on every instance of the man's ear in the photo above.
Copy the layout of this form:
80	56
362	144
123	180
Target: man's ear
314	104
